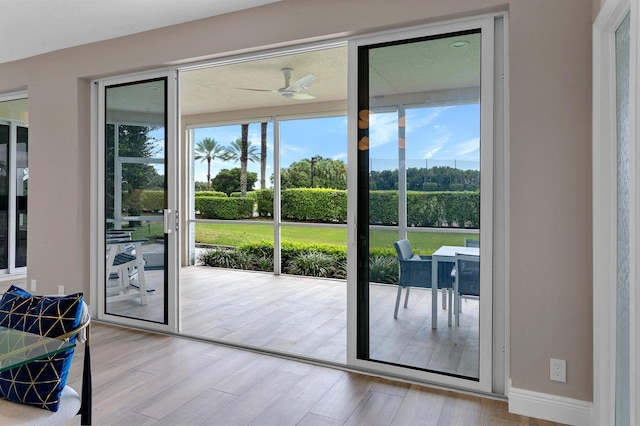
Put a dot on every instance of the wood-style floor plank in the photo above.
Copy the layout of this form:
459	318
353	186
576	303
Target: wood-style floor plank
147	378
144	378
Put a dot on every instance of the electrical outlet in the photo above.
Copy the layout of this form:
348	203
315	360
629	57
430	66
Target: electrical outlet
558	370
60	289
33	286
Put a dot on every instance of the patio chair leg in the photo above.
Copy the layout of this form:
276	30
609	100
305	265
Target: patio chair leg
444	298
406	297
395	313
450	306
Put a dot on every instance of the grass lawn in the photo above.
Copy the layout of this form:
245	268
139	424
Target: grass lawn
231	234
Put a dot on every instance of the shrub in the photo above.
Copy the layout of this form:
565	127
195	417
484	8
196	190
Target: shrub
223	258
314	260
290	251
430	186
264	198
427	209
224	208
313	264
383	269
380	251
297	254
260	249
317	204
264	263
152	200
250	194
226	258
383	207
209	194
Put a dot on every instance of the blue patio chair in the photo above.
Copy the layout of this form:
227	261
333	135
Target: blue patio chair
470	242
415	271
468	280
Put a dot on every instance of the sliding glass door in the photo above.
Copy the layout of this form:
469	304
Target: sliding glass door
140	221
425	203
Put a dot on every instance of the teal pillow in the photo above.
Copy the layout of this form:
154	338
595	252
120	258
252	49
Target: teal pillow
40	382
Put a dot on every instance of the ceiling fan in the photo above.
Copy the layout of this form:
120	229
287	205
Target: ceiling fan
291	91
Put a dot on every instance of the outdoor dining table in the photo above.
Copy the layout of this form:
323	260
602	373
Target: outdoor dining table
444	254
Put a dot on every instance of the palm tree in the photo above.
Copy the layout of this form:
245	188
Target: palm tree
233	152
208	149
263	155
241	149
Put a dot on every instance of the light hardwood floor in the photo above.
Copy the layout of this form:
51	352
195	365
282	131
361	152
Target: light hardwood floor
307	316
147	378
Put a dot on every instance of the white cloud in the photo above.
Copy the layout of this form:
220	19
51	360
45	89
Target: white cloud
430	153
470	148
437	144
383	129
340	156
418	119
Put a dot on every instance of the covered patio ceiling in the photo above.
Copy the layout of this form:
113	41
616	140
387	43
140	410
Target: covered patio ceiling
397	73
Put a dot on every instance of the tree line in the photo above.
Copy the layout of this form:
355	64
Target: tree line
332	174
442	178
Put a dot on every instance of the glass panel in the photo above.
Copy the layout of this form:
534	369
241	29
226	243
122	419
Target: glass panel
135	186
225	189
22	187
421	122
622	303
4	196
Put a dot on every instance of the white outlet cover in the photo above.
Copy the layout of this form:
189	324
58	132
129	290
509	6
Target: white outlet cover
558	370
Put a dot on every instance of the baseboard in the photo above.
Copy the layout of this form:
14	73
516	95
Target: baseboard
549	407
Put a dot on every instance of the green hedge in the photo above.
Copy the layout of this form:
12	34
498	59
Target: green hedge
152	200
424	209
316	205
265	202
383	207
250	194
224	207
427	209
319	260
210	194
290	250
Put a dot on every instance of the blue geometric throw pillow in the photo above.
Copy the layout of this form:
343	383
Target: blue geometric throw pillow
39	383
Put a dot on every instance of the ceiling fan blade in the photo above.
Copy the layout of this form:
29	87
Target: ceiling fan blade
302	96
256	90
303	83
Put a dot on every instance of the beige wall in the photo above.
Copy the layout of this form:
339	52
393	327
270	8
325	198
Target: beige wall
550	122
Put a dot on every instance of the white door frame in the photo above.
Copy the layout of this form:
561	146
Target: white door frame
98	209
605	211
493	376
12	236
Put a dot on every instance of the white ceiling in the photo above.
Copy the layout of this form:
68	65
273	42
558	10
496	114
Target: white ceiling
428	72
33	27
217	89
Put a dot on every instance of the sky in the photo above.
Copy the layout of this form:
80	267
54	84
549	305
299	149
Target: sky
437	136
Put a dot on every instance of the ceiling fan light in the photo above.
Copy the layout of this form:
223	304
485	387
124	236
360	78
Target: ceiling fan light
459	44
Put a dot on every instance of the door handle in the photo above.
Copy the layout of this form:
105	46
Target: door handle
168	229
